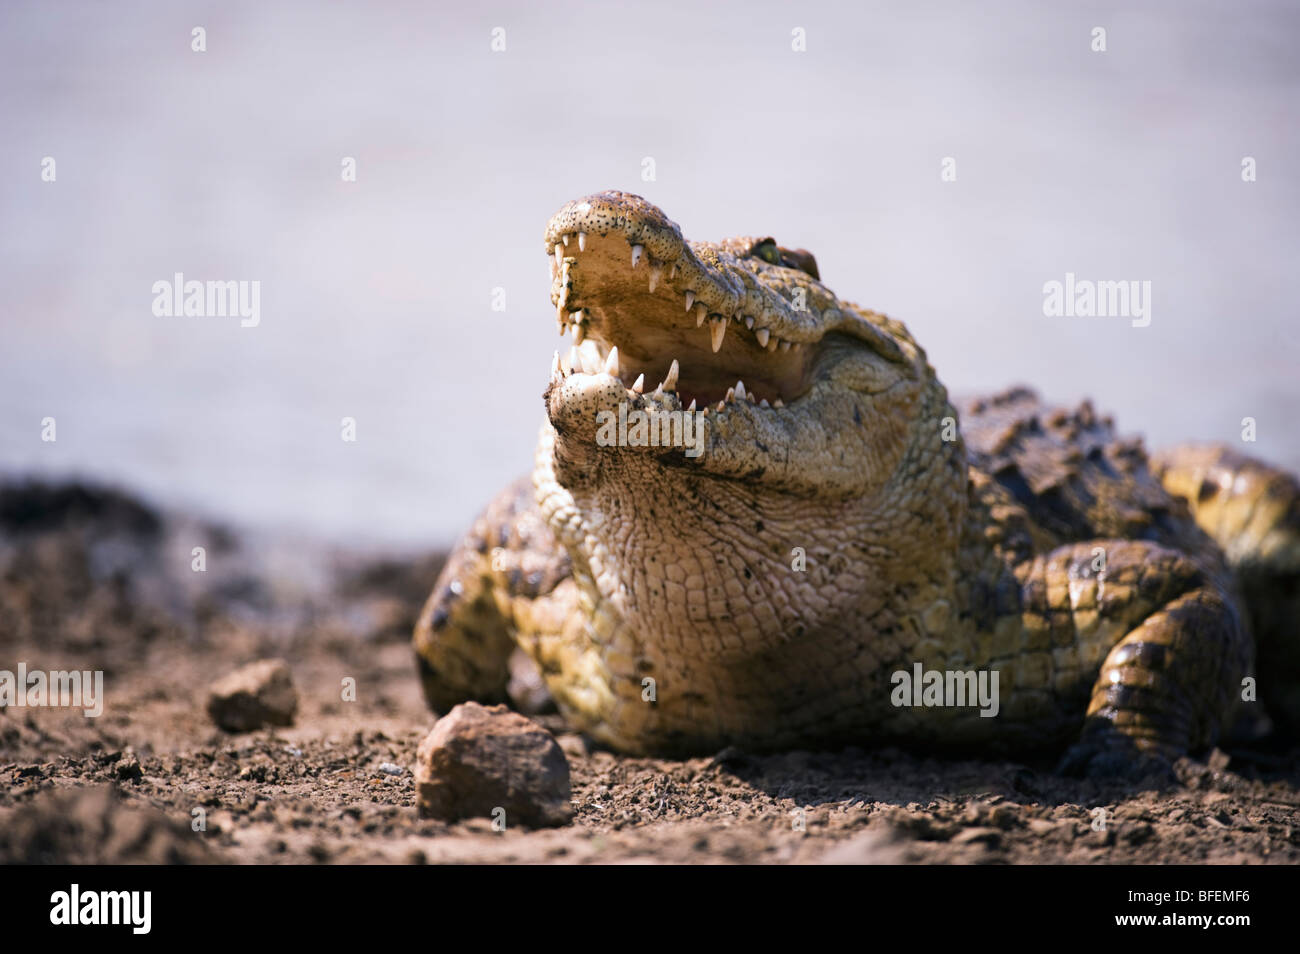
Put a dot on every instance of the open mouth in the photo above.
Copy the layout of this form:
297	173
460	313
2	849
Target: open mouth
672	325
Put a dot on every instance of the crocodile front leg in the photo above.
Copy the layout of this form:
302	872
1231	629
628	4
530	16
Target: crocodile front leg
1252	510
1172	647
507	583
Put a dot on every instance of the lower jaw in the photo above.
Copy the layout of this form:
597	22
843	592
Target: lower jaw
593	384
663	354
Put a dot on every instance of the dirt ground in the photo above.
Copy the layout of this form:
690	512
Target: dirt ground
94	579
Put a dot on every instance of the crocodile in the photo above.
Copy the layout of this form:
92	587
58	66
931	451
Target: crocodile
844	530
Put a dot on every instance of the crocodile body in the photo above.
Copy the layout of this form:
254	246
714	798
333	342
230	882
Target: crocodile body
844	522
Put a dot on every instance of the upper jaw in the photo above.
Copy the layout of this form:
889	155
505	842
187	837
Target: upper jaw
623	276
677	325
711	277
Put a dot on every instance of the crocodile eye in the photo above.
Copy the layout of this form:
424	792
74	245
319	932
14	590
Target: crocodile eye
767	251
773	254
801	259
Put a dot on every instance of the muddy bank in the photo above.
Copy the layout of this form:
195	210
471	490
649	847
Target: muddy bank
94	579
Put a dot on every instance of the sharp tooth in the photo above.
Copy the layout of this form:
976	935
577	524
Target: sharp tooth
564	287
559	254
670	382
731	395
573	359
690	300
672	272
700	313
579	333
722	405
654	276
718	331
771	345
785	346
692	407
740	390
555	365
658	392
590	362
582	241
749	322
565	240
639	384
778	403
762	334
611	363
636	254
763	403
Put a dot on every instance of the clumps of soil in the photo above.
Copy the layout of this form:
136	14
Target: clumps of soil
95	826
91	578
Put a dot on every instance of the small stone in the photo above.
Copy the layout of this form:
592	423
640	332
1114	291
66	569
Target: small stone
391	768
482	759
257	695
128	769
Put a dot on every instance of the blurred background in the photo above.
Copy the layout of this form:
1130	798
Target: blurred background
376	295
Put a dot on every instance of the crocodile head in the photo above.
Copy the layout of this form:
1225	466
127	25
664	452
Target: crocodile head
797	390
822	428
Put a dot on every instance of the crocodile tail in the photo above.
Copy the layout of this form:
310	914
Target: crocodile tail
1252	511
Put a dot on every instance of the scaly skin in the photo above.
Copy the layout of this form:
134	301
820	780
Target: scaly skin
662	597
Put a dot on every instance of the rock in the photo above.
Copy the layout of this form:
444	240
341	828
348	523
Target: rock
481	758
259	694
